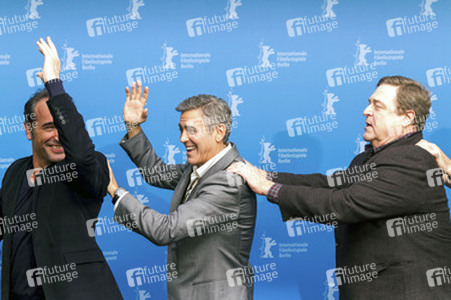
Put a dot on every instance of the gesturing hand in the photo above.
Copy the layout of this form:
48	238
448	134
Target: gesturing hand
255	177
134	111
52	64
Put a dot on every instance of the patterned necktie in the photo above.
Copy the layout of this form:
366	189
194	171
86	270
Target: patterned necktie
191	186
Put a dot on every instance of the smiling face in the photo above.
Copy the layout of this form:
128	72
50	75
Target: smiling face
383	123
201	144
47	149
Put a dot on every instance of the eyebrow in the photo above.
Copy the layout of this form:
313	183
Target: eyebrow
47	124
376	101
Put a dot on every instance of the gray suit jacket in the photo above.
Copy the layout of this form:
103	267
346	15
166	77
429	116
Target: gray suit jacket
209	237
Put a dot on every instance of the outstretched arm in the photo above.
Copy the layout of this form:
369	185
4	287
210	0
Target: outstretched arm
217	199
269	183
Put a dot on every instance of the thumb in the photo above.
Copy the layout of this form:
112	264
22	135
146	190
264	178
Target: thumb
40	75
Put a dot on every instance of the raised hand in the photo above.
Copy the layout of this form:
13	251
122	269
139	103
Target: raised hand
255	177
52	64
134	112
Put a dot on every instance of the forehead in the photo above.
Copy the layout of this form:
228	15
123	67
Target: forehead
42	111
192	117
385	93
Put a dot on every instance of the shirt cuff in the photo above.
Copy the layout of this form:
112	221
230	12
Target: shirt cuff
273	193
55	87
119	200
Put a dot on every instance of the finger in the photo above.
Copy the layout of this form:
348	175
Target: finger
231	168
127	94
145	95
40	47
44	47
139	89
234	171
145	114
133	91
426	146
235	165
52	46
40	75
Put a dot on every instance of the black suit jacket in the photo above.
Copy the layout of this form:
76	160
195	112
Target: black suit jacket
62	209
369	231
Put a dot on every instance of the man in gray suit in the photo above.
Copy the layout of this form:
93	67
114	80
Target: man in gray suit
210	226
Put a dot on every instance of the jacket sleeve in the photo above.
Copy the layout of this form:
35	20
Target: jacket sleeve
217	200
153	169
91	166
398	187
311	180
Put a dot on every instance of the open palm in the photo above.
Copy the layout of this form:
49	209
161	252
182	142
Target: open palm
134	111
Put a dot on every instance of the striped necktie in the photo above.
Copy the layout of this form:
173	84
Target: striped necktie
191	186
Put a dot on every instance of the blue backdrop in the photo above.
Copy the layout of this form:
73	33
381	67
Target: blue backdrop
297	75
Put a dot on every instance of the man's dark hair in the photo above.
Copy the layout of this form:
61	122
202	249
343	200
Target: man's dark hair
411	95
30	107
215	111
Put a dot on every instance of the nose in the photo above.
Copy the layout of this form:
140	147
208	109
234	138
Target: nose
184	137
55	135
368	111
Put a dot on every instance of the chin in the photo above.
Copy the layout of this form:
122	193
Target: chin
367	137
191	161
57	158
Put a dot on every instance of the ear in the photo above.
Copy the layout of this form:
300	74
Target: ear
409	118
220	132
28	131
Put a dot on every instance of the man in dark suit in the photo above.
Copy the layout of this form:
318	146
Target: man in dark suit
210	225
393	239
47	198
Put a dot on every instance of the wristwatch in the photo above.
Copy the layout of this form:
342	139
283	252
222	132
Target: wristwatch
118	194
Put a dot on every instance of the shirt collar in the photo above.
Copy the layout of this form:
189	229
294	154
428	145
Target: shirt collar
210	163
380	148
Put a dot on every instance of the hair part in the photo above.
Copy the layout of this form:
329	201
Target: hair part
215	112
30	108
410	95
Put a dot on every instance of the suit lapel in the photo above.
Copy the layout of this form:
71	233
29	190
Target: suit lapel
179	191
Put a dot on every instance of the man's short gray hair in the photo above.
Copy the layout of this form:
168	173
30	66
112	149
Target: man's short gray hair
215	111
